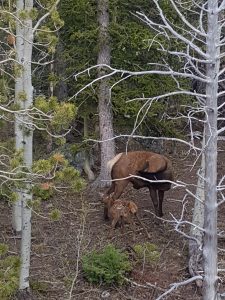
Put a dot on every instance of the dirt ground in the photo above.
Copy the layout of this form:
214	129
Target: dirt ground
57	247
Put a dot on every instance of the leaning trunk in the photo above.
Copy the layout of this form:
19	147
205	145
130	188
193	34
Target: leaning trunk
104	95
210	284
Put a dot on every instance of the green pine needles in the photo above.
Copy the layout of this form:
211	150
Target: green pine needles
108	266
9	273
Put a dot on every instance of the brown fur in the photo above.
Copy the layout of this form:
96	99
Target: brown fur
146	164
120	211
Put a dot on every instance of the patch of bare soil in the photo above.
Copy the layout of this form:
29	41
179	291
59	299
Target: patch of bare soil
57	247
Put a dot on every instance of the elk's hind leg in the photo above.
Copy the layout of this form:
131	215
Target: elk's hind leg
161	197
113	225
154	197
120	186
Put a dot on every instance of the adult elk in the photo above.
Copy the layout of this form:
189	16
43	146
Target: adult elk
148	165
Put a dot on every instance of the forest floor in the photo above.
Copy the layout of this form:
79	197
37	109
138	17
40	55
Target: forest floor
57	246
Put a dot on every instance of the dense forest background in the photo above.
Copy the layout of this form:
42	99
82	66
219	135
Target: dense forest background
81	81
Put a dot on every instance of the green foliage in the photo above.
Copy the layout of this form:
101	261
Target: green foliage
23	14
130	41
3	249
17	70
61	114
108	266
147	252
40	193
9	273
55	17
17	159
53	78
13	197
70	177
55	214
47	37
35	204
33	14
43	166
56	171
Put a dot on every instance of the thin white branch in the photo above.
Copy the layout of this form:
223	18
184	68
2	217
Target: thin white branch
176	285
185	21
45	16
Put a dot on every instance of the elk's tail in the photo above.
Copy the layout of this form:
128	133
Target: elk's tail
112	162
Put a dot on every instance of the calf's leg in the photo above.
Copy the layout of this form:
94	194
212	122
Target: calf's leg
113	225
106	215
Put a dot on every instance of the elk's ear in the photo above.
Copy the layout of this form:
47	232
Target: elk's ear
156	163
132	207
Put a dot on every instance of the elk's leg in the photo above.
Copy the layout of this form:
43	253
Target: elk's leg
132	225
154	197
161	197
122	224
120	185
106	212
113	226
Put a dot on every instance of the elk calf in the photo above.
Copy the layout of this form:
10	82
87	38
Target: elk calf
119	211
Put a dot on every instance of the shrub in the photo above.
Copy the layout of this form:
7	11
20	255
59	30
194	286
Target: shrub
9	273
108	266
147	252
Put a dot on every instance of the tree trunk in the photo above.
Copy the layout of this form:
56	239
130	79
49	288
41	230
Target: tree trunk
104	95
210	284
24	131
16	213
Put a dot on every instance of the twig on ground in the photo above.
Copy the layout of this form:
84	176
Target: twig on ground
80	237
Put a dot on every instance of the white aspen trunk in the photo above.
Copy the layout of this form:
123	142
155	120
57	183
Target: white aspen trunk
210	284
16	212
26	132
25	244
105	106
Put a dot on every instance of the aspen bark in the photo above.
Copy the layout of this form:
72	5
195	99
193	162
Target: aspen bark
17	213
24	134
